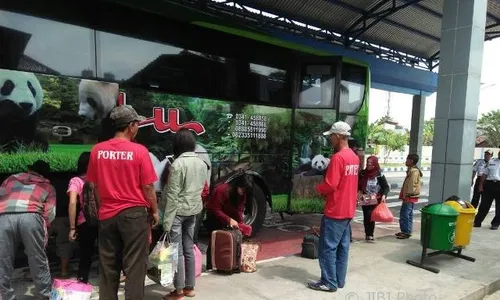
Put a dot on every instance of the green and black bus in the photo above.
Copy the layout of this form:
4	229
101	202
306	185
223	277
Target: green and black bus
257	104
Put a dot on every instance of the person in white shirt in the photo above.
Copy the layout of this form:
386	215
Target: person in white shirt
478	169
490	187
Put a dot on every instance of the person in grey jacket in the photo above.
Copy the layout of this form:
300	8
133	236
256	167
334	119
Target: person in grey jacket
182	197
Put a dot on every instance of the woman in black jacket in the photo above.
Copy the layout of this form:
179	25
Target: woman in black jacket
372	190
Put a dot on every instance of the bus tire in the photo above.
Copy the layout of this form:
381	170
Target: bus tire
259	210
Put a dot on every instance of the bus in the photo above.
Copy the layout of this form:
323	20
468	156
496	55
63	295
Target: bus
258	105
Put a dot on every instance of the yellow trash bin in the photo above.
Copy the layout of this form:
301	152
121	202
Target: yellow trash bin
465	221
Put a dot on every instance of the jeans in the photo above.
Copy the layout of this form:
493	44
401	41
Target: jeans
87	235
29	229
406	217
182	232
334	251
128	233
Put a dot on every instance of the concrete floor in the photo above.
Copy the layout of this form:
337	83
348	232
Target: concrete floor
376	271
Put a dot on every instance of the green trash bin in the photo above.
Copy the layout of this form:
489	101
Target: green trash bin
442	220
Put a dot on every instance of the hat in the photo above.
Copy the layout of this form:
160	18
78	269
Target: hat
488	151
124	114
340	128
41	167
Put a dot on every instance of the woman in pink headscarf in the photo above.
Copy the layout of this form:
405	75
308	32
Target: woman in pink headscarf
372	189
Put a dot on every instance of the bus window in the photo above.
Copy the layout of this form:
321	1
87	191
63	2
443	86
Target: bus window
268	85
352	88
317	90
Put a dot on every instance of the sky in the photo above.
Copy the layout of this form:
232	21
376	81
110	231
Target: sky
401	104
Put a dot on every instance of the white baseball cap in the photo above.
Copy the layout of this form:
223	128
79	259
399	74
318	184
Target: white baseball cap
340	128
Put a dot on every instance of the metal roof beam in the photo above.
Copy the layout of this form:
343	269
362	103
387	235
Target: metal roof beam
285	24
440	15
353	33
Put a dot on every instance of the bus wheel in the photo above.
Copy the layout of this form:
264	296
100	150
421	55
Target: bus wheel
257	215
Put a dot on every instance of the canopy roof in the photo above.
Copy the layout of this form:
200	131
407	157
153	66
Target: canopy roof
405	31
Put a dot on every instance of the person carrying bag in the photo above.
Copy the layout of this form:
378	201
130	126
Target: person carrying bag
372	190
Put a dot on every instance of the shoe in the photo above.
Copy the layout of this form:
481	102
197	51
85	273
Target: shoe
174	296
399	233
477	225
189	293
494	227
369	239
319	286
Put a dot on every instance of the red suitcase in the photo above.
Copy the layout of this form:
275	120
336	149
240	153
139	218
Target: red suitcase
226	250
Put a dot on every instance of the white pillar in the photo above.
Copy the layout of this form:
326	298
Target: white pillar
417	125
461	56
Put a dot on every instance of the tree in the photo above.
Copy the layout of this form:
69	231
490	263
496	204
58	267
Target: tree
375	131
393	141
489	125
428	132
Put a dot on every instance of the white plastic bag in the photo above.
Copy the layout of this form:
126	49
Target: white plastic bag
162	261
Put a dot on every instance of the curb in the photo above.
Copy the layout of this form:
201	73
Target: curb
487	290
402	169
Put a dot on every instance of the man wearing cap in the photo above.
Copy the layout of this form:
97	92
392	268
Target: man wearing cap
27	207
340	189
123	174
478	169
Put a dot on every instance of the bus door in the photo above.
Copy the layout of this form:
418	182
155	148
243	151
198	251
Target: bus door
315	95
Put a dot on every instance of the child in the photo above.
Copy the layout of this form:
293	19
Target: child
410	192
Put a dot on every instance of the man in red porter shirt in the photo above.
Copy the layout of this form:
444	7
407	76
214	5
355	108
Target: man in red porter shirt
124	175
340	188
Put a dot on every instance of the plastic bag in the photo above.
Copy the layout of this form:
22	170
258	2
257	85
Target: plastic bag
162	261
249	252
70	290
198	257
382	213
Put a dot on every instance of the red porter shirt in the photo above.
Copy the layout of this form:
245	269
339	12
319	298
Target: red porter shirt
341	185
120	168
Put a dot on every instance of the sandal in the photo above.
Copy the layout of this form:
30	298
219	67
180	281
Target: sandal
174	295
403	236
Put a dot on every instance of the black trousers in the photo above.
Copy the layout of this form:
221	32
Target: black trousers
87	235
128	233
476	196
491	192
367	219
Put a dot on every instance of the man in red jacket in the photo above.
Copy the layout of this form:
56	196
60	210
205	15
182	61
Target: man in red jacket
340	189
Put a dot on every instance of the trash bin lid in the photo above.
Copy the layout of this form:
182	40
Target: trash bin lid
440	209
460	202
462	209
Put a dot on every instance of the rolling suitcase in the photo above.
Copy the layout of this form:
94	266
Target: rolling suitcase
226	250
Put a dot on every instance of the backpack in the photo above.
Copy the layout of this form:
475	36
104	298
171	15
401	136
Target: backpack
90	204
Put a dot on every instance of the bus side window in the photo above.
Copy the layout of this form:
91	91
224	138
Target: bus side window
352	88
